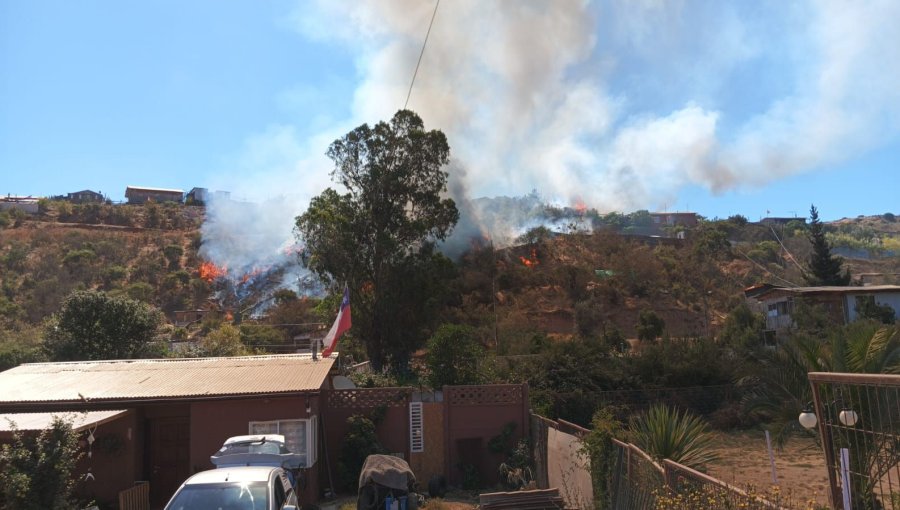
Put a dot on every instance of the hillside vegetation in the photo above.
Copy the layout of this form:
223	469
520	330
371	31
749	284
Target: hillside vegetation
550	288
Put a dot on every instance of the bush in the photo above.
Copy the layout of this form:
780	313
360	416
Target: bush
453	356
224	341
597	446
360	441
93	325
650	326
36	473
666	433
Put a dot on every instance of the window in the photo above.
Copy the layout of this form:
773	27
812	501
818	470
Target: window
780	308
300	436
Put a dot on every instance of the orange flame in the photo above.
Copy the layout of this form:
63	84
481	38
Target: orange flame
210	271
252	274
530	262
580	206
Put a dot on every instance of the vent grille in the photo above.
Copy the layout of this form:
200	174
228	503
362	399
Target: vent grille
416	432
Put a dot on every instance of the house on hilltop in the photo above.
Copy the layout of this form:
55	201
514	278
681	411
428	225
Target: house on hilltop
201	196
27	204
842	304
139	195
85	196
666	219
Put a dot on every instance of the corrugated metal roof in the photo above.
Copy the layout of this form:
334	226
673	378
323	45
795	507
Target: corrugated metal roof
41	421
104	381
144	188
867	289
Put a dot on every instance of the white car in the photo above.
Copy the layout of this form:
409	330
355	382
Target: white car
236	488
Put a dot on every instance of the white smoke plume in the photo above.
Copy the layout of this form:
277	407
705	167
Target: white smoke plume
617	104
622	103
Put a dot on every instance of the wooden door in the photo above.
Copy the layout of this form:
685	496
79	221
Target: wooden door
168	457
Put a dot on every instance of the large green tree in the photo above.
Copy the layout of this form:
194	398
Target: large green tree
824	268
93	325
378	237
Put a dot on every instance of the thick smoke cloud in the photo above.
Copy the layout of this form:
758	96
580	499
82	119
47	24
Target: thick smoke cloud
622	103
617	104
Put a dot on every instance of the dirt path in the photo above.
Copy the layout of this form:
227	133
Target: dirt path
800	466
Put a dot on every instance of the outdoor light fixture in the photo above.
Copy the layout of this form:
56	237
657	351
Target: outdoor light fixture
848	417
308	409
808	419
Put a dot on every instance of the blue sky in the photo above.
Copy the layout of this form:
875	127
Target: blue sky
710	106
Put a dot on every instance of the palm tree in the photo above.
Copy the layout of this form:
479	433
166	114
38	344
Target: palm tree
667	433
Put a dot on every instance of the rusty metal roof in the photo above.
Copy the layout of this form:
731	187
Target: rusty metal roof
196	378
41	421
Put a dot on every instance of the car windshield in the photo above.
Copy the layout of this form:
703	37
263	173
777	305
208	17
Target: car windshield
253	447
221	496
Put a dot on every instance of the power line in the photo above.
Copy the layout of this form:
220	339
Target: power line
421	53
790	255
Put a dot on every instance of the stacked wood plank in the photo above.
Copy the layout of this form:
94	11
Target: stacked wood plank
541	499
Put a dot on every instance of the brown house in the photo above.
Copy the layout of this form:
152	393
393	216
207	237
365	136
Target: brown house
85	196
160	420
138	195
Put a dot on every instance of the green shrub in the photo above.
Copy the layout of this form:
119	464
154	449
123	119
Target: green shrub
598	447
37	472
667	433
453	356
359	442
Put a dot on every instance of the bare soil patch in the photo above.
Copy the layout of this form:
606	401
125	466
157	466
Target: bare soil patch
800	466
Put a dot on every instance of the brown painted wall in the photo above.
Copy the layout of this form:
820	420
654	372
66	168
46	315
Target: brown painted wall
215	421
393	430
115	468
430	463
476	414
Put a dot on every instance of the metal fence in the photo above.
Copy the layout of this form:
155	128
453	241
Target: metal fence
636	479
639	483
858	419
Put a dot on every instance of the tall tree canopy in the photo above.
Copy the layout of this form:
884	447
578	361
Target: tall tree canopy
93	325
379	236
824	268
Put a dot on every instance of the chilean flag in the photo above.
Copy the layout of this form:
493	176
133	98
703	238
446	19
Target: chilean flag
341	324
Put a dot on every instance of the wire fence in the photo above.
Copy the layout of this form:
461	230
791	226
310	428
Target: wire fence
636	479
640	483
858	419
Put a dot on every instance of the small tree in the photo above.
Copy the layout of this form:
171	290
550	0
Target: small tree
824	268
359	442
94	325
650	326
173	253
223	341
453	356
36	473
